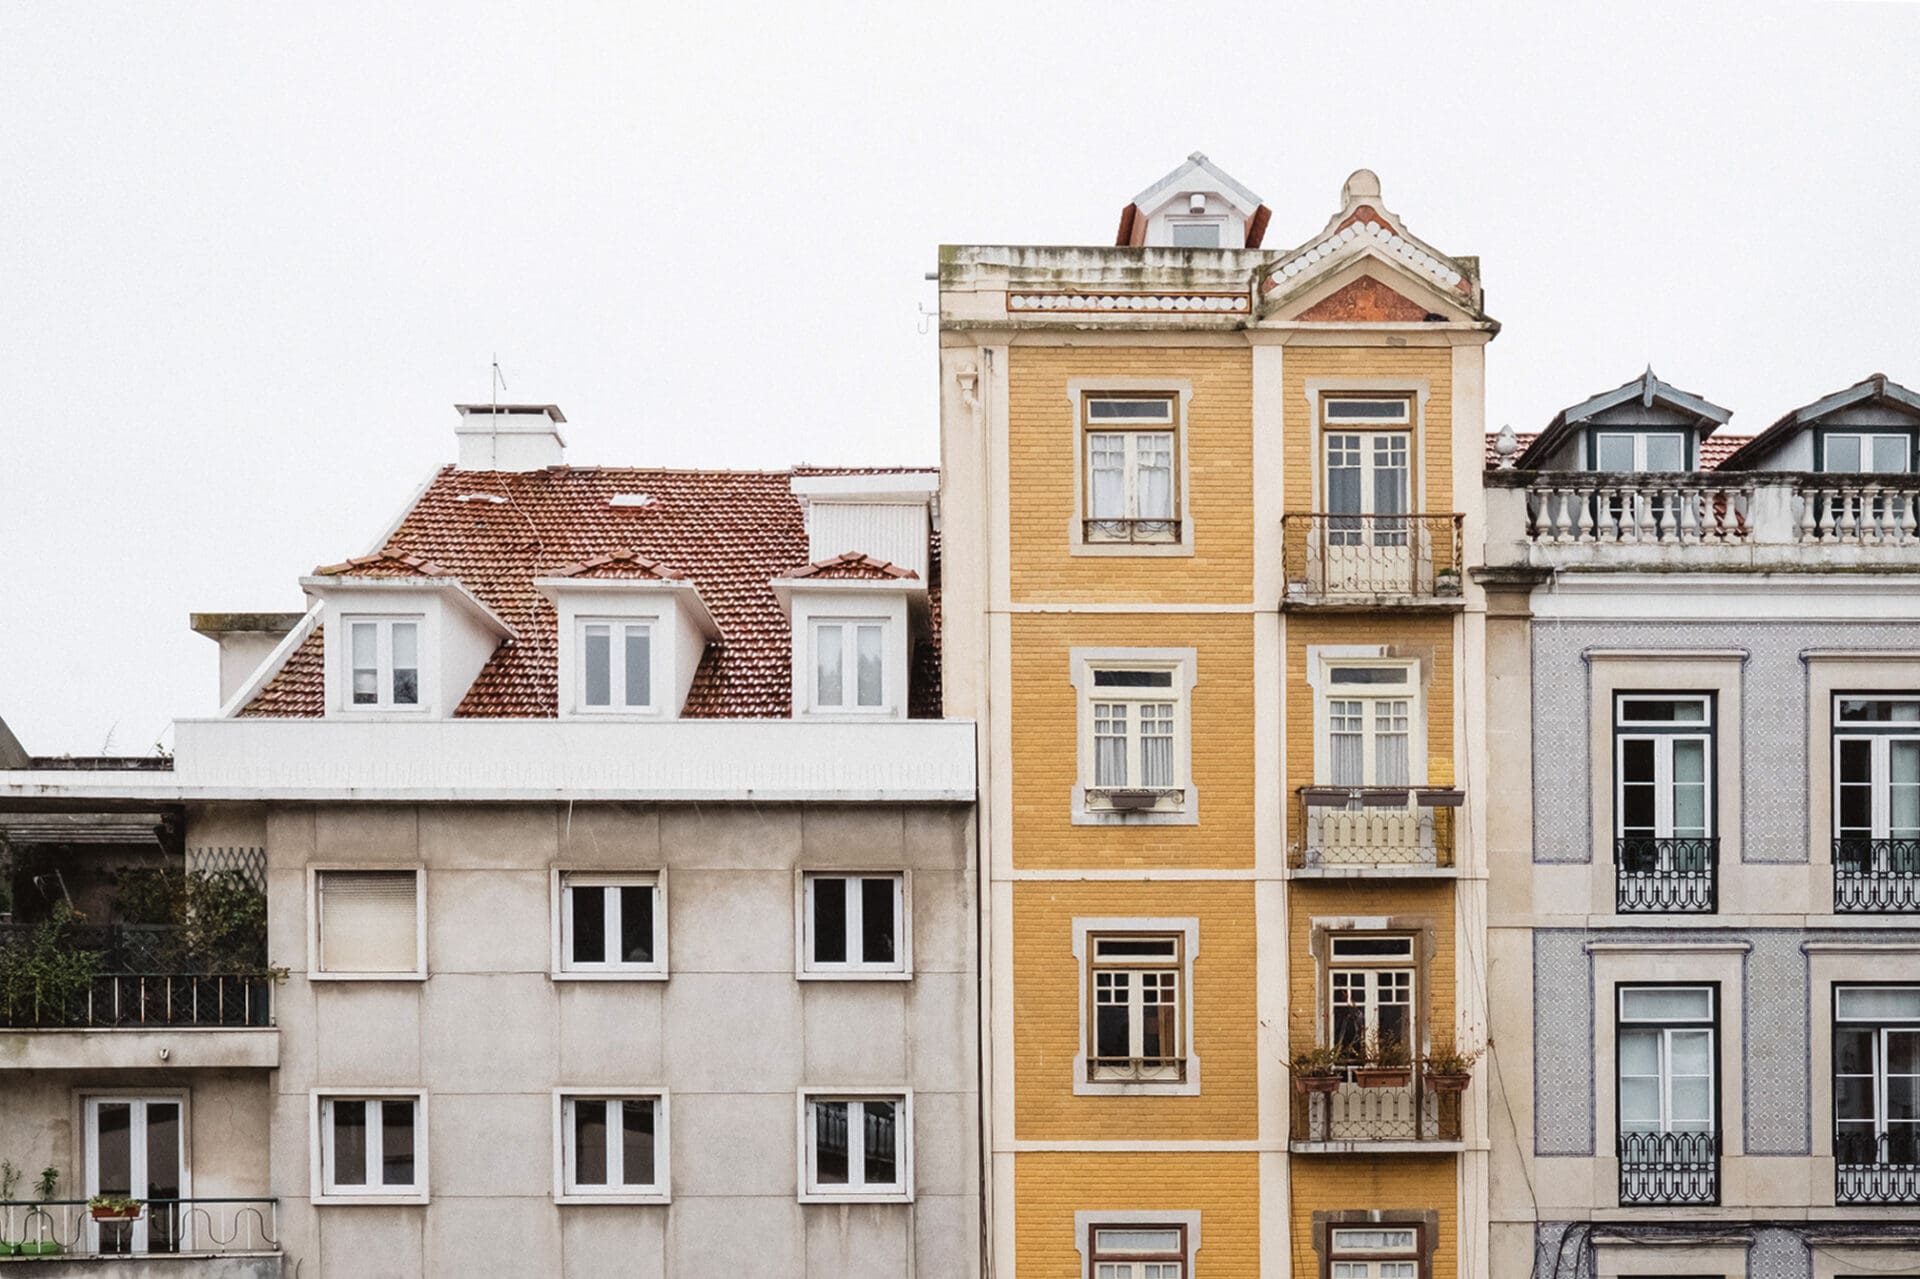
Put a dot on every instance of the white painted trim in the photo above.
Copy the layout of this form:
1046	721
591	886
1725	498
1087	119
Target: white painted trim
1024	1147
1668	947
1124	607
315	869
1320	657
1727	597
1184	662
1084	1222
556	893
1182	391
662	1192
903	1153
317	1194
803	969
86	1101
1189	929
293	639
1420	388
1145	874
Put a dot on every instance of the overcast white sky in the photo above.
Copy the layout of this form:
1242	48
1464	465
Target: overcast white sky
250	254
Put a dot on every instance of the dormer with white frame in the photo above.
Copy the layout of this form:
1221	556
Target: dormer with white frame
403	638
853	618
1197	206
631	634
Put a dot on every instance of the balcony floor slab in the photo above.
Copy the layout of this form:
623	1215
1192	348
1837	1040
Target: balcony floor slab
142	1049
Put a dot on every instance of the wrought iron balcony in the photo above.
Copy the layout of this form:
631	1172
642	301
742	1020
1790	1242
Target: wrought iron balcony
1165	532
1369	559
142	978
1669	1168
1341	828
1666	876
1352	1114
1876	876
1882	1168
166	1227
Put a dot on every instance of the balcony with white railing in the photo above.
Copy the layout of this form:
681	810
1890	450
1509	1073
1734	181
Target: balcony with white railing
1387	831
1730	520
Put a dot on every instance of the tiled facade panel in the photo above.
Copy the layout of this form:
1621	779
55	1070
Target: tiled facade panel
1773	802
1043	433
1222	1188
1430	904
1377	365
1778	1254
1045	727
1047	1014
1563	1072
1413	1183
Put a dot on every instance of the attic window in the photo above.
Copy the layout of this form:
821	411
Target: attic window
1196	233
630	499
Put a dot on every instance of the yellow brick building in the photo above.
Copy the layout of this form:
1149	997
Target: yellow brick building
1206	511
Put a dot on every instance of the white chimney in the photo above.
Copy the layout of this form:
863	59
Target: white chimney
510	437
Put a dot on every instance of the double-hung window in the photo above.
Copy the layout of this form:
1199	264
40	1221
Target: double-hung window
1665	850
383	660
856	1146
1373	1252
1131	446
616	665
1876	802
1876	1094
612	1147
1134	988
1138	1252
854	925
1372	713
1370	991
1133	729
849	665
1668	1076
372	1145
610	924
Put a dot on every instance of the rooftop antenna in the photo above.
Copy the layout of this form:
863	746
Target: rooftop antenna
493	420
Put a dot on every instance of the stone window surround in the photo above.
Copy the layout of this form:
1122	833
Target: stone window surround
1617	1258
662	1139
904	941
1084	1222
1424	931
1716	671
1184	662
1830	672
316	869
1863	963
1425	1221
1419	388
1189	929
1078	388
1420	657
557	891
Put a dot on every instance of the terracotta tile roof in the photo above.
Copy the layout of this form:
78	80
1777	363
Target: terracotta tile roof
853	566
383	564
621	565
730	532
1714	450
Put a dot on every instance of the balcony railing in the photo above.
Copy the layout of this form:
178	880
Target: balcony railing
1876	876
1669	1168
1161	531
1855	509
144	981
1353	1114
1674	509
1373	826
1666	876
185	1227
1352	559
1876	1168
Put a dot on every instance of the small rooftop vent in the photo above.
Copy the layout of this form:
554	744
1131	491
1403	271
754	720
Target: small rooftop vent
493	499
630	499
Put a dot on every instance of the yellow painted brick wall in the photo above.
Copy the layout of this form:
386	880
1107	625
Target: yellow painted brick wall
1338	1183
1045	725
1046	1015
1330	363
1428	631
1223	1188
1310	899
1043	434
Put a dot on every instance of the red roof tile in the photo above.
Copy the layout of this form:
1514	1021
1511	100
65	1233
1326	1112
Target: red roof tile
730	532
383	564
1714	450
853	566
621	565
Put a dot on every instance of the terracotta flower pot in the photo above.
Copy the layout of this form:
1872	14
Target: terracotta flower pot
116	1214
1316	1083
1448	1083
1383	1076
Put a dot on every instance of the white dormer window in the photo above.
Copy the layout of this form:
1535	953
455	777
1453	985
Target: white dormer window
616	665
384	662
1196	233
849	664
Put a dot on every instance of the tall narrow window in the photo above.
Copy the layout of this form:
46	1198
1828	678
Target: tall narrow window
383	656
1371	716
1374	1252
616	666
1133	729
1665	849
612	1147
371	1145
855	924
1137	1252
1876	1094
1369	472
849	665
1135	1027
610	924
1370	990
1669	1131
1876	802
367	922
856	1146
1129	460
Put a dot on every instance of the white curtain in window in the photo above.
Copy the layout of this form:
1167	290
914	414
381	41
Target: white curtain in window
1347	742
1390	744
368	921
1156	744
1110	744
1155	453
1903	789
827	657
867	665
1107	477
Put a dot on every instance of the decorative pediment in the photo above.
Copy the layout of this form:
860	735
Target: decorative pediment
1365	300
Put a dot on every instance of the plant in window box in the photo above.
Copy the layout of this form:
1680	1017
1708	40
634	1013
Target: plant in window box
1448	1067
1386	1062
1317	1069
113	1208
1446	581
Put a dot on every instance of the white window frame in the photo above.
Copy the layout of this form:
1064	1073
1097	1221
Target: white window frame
1663	734
1868	439
1133	708
316	870
1669	1029
1181	807
1085	929
562	966
849	664
1218	221
1388	1262
89	1105
566	1191
383	664
1131	434
1136	968
856	1191
806	968
1639	441
1879	734
1322	662
320	1134
1079	391
1370	968
618	627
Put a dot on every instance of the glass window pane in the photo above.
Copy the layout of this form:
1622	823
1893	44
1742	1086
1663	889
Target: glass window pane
1853	1097
829	920
396	1143
1154	455
1148	409
1692	1104
1878	1003
1639	1104
1853	1050
639	670
589	904
877	921
349	1143
598	656
1692	1052
830	1143
406	664
1843	453
1889	453
1196	235
1613	452
636	1129
867	655
1666	1003
1137	1241
827	657
366	674
1113	1022
1639	1052
1666	453
113	1147
589	1142
1903	1052
636	924
882	1143
1132	679
1107	477
163	1150
1343	474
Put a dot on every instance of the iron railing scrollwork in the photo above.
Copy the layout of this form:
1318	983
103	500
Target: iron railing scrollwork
1336	559
1097	531
1669	1168
1353	1113
1876	1168
1666	876
195	1227
1876	876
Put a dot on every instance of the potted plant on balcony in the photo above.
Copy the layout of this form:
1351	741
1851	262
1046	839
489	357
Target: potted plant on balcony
1386	1062
114	1208
1316	1069
1448	1067
47	1186
1446	581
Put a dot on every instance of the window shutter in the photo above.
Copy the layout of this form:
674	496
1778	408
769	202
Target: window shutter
369	921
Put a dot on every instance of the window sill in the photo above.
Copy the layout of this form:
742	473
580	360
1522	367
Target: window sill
324	976
370	1201
627	1200
852	974
1187	813
636	974
1187	1087
822	1197
1145	550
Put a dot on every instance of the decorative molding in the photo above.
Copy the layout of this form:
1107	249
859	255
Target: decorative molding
1111	300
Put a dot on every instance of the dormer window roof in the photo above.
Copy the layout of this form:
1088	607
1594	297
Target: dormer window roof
1868	426
1197	206
1641	425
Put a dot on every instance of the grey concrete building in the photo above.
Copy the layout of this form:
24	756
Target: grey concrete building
582	885
1704	956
